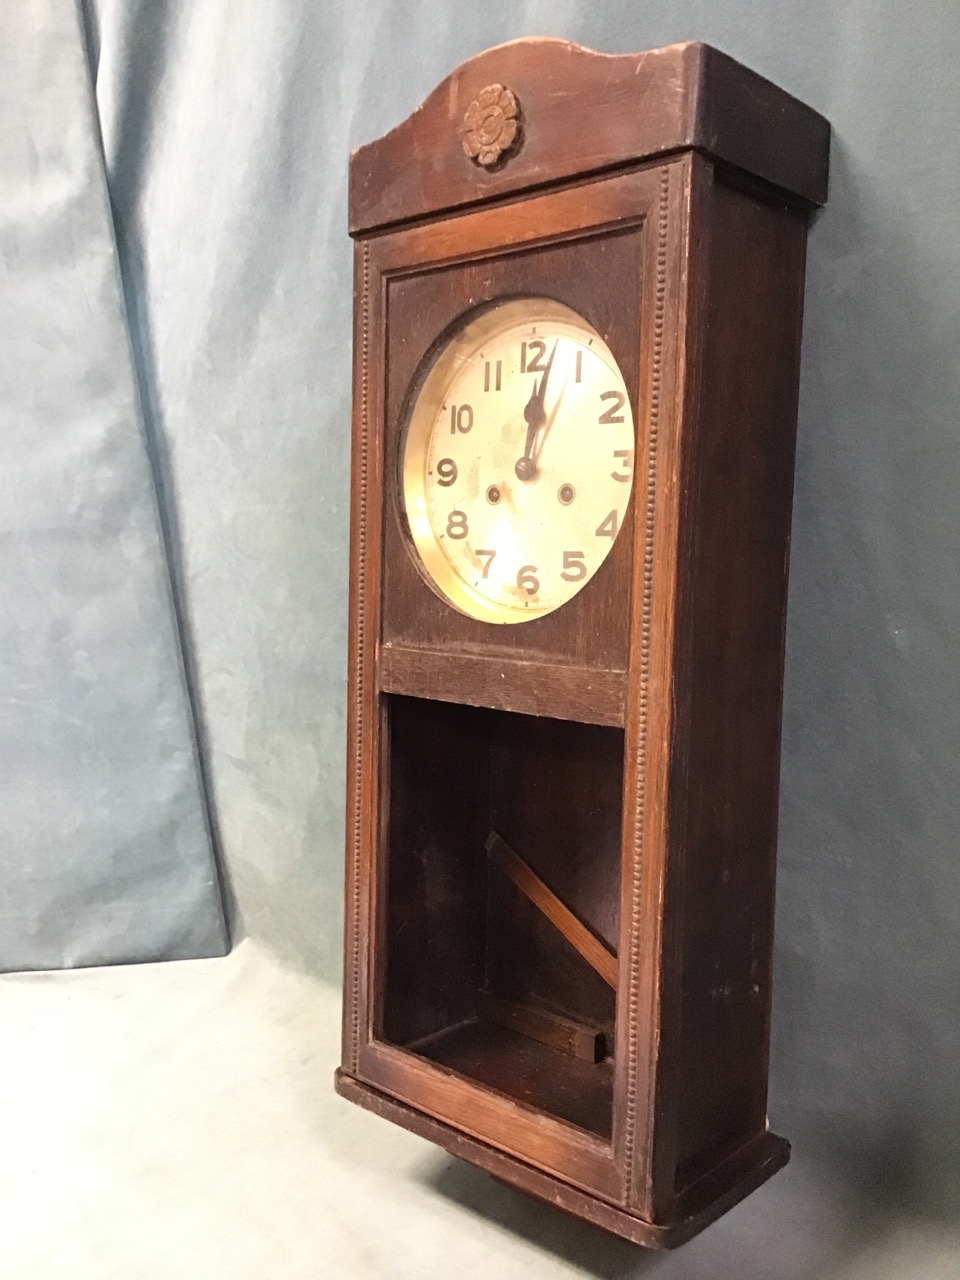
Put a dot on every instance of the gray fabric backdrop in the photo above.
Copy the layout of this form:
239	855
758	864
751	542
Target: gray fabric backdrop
106	852
226	130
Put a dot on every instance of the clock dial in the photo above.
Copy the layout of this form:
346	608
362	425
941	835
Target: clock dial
518	461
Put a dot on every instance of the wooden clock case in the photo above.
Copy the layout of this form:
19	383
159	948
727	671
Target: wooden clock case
626	746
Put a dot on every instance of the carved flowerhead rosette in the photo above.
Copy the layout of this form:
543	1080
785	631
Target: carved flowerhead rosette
491	125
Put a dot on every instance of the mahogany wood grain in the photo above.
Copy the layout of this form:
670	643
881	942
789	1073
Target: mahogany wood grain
585	112
575	1088
626	745
550	1028
590	695
731	612
556	793
599	957
597	272
442	943
433	944
646	909
489	1113
712	1197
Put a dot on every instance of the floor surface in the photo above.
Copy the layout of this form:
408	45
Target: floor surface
178	1122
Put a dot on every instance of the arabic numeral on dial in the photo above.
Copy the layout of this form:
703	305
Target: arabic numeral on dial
489	561
446	473
626	462
528	365
607	528
461	419
457	525
574	569
612	414
527	580
498	370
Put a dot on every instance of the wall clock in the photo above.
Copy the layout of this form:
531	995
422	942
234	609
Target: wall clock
579	286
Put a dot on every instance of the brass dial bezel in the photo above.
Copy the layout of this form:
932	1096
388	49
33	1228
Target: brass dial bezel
460	344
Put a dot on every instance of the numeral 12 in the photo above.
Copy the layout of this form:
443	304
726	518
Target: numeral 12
531	354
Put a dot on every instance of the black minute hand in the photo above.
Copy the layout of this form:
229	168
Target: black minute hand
535	416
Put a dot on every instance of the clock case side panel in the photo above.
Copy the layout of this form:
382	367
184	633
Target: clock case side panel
746	260
645	926
363	627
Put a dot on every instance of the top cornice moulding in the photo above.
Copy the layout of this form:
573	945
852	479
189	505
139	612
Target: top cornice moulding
580	112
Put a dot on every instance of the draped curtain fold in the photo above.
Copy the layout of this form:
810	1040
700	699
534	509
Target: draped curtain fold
106	845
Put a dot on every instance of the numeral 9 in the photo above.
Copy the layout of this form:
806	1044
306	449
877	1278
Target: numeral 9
446	472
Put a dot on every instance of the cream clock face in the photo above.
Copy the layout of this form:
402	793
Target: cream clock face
518	461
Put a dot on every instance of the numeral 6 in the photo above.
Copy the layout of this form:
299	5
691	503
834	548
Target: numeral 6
527	579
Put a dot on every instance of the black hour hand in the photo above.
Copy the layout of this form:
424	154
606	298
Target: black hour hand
535	416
